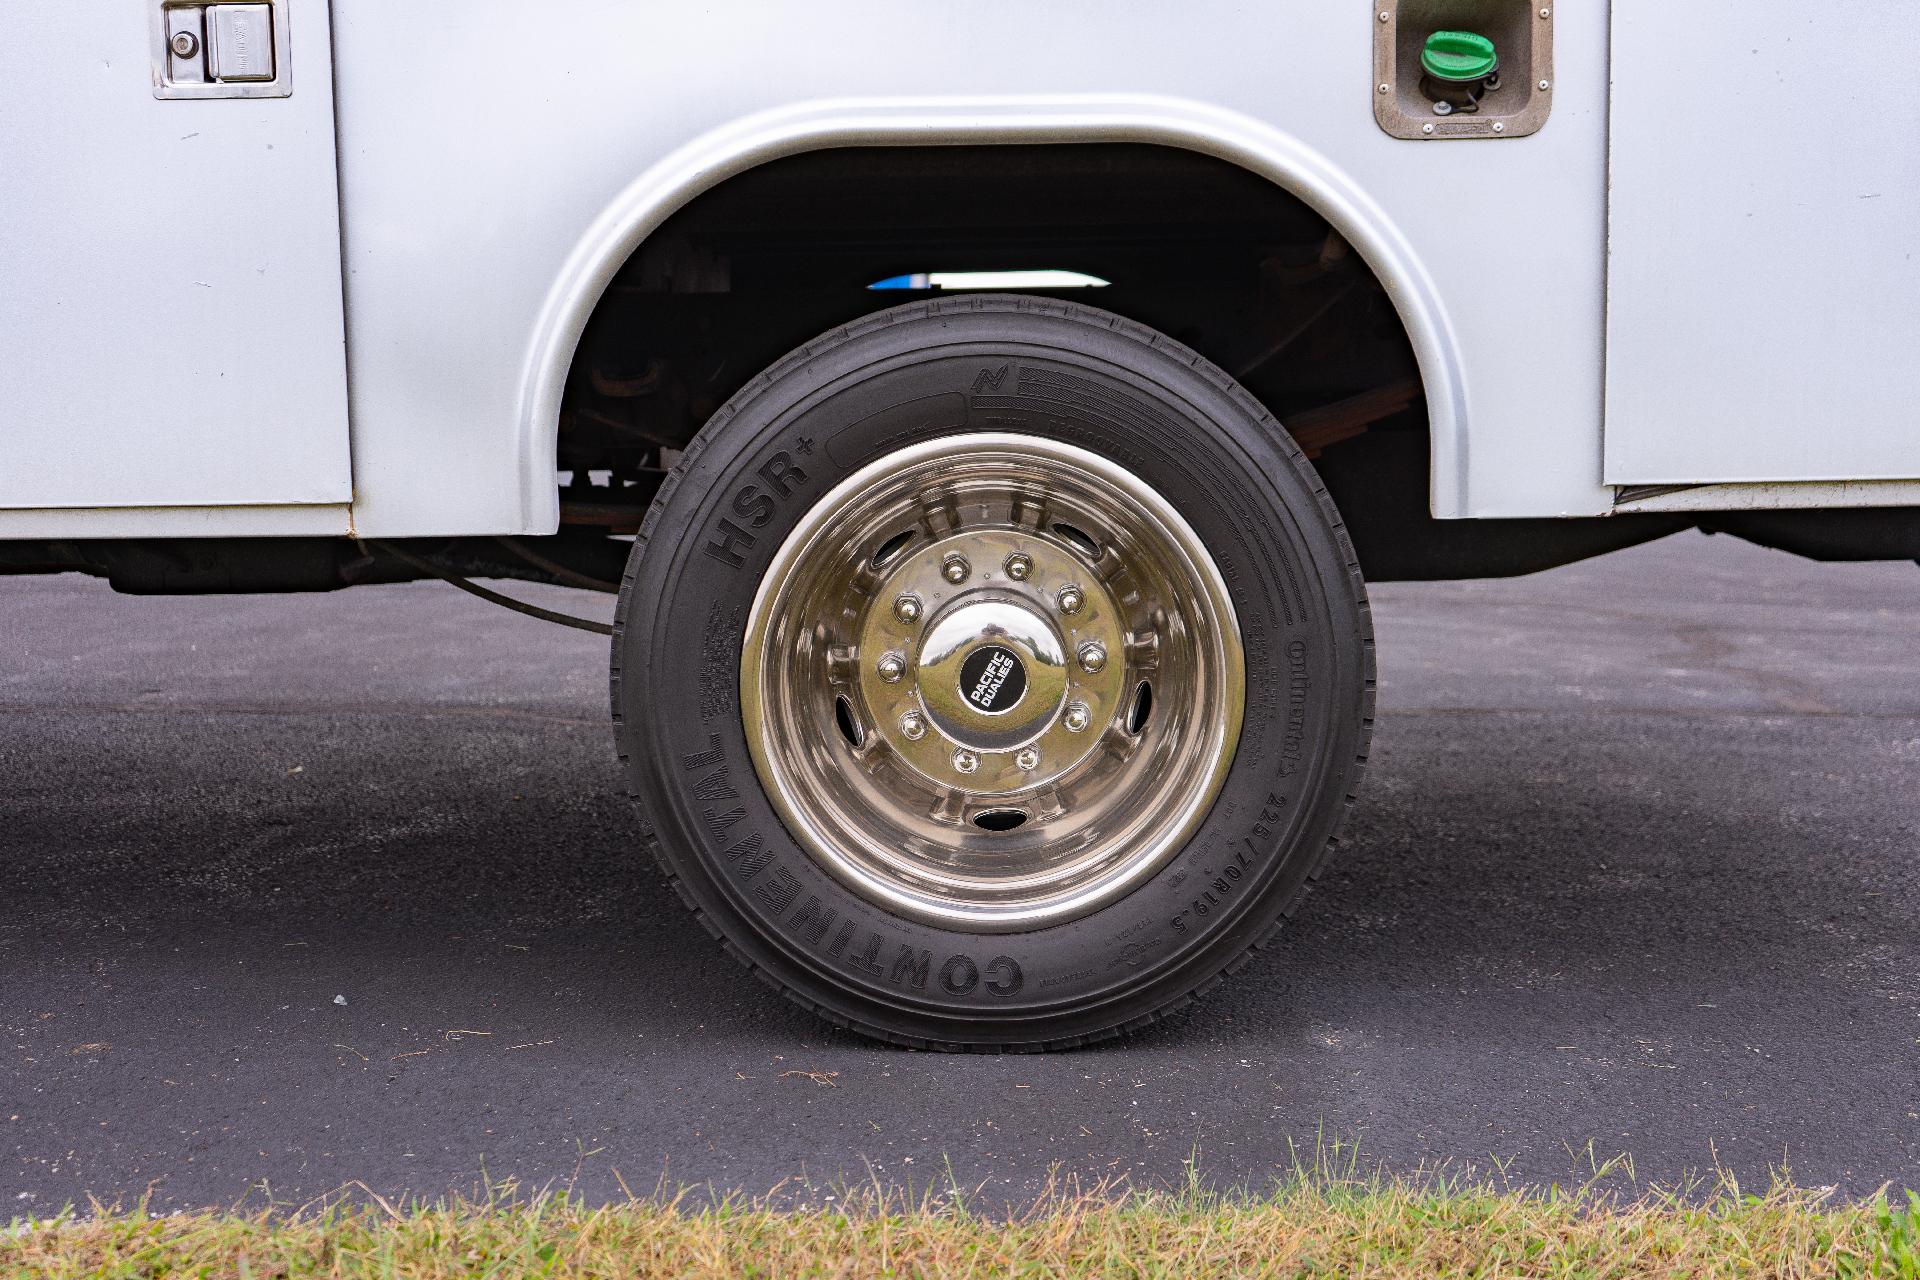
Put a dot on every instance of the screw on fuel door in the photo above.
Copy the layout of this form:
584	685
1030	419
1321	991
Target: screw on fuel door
1457	69
1462	69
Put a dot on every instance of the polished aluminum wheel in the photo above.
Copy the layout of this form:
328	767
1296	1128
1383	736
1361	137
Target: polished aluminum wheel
992	681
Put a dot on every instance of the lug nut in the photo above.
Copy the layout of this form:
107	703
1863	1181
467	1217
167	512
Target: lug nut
1019	566
1028	760
1070	599
1093	656
955	569
891	667
913	726
1077	717
965	761
907	608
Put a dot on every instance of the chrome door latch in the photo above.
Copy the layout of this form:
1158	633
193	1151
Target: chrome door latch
220	50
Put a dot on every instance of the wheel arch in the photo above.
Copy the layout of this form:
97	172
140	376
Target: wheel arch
651	198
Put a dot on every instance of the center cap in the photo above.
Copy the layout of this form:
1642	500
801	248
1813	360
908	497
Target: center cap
990	672
993	679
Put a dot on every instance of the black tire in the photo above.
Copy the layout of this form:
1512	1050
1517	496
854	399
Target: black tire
935	368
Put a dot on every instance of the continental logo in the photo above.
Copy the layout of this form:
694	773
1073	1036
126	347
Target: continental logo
1296	720
777	891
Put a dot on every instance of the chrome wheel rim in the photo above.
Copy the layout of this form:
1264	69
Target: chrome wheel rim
992	681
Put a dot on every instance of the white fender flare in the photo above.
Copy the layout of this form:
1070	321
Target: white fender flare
730	150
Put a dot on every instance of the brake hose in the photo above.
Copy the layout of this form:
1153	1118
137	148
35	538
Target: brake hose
492	597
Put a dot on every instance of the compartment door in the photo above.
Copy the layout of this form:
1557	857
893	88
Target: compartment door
170	295
1763	307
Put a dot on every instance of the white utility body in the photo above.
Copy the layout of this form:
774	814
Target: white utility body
349	305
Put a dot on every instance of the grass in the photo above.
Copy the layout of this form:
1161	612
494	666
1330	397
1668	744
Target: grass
1310	1226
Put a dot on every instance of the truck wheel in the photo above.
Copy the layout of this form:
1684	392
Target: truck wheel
992	673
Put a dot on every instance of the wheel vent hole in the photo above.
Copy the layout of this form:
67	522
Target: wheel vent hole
889	551
1141	709
999	819
1083	541
849	727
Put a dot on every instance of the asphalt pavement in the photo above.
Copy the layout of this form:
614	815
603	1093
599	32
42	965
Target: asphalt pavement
298	892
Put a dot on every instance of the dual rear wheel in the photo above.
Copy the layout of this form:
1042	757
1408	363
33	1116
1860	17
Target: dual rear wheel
992	673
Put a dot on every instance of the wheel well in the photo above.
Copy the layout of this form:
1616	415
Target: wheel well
1217	256
1201	249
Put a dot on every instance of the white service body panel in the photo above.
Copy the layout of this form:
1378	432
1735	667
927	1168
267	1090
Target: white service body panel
171	331
481	146
171	343
1763	273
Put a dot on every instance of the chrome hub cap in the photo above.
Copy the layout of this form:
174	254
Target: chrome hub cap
992	681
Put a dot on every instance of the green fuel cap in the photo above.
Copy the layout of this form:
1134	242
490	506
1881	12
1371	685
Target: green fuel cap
1459	55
